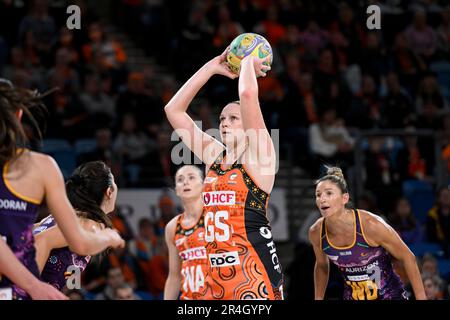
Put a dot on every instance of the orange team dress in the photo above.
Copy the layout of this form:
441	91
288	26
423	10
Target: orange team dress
190	243
243	262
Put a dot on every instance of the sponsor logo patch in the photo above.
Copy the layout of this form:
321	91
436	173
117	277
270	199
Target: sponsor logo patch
224	259
215	198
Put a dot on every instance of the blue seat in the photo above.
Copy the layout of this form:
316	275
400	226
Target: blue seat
144	295
85	146
444	268
63	153
66	160
421	197
446	93
442	70
133	171
50	146
420	249
89	296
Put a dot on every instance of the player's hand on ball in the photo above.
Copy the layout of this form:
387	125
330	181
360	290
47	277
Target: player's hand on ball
259	64
219	65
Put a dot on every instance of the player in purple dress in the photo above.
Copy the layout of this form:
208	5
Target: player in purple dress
360	244
27	178
92	192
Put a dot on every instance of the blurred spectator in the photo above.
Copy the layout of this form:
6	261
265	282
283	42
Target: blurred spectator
160	168
325	74
291	42
314	38
227	28
271	27
429	92
353	31
429	265
121	224
22	72
103	151
301	284
43	28
125	292
131	144
137	101
112	54
68	119
329	84
206	116
404	222
406	63
374	59
100	106
123	259
167	210
271	94
194	34
143	246
365	109
74	294
11	13
410	164
114	278
445	155
30	51
443	34
397	107
158	270
432	284
339	43
62	73
66	40
438	219
420	36
330	141
380	178
367	201
430	268
298	91
429	119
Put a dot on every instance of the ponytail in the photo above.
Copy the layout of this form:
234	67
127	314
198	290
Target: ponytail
86	189
12	134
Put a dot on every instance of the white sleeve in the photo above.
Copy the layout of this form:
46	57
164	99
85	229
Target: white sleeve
318	144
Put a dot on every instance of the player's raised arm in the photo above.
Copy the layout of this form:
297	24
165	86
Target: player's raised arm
260	143
204	146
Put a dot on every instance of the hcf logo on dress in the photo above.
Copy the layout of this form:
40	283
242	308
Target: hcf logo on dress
215	198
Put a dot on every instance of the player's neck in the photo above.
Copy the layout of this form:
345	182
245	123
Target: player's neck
193	208
339	222
234	152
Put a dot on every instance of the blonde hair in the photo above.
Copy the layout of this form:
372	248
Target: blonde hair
335	175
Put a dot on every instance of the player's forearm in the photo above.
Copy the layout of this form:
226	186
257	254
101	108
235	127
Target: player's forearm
172	288
414	277
92	243
248	85
321	274
181	100
12	268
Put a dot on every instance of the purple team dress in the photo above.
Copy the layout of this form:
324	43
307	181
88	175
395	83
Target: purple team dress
367	271
56	271
17	215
